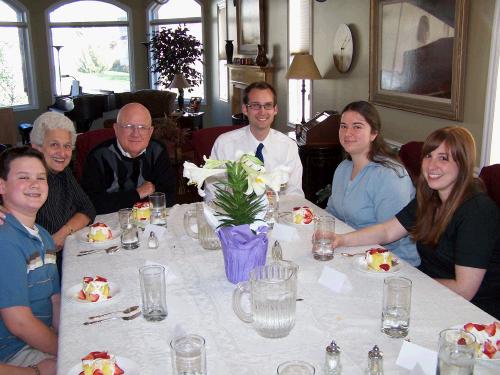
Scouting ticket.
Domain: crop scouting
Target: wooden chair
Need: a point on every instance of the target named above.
(204, 139)
(491, 178)
(411, 155)
(85, 142)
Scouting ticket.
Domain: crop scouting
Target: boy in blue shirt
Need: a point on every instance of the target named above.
(30, 288)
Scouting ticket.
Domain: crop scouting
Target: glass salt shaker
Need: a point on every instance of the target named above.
(375, 362)
(332, 359)
(153, 242)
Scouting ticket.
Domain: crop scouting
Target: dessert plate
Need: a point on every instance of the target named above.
(127, 365)
(83, 238)
(359, 264)
(286, 217)
(72, 294)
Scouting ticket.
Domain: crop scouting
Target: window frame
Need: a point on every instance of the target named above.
(50, 25)
(24, 28)
(155, 22)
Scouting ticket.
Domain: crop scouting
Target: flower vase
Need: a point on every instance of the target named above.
(243, 250)
(229, 51)
(261, 59)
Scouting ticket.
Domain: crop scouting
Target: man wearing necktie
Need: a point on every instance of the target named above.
(125, 170)
(272, 147)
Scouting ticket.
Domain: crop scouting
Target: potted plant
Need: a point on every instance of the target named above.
(175, 51)
(240, 207)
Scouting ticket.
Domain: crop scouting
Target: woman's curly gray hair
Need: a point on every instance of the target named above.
(51, 121)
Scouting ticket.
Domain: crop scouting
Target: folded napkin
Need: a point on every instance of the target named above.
(417, 358)
(334, 280)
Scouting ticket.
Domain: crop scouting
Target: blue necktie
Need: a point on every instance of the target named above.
(258, 152)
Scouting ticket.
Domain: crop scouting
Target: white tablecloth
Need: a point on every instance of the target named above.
(199, 301)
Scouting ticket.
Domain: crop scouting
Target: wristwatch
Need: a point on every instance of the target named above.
(37, 370)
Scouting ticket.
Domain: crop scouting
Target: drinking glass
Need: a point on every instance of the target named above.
(129, 236)
(272, 291)
(396, 304)
(324, 233)
(295, 368)
(188, 355)
(205, 233)
(153, 293)
(158, 209)
(456, 352)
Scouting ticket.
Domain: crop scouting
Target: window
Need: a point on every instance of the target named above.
(170, 15)
(299, 31)
(90, 44)
(17, 88)
(222, 36)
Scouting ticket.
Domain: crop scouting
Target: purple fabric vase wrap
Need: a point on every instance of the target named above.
(243, 250)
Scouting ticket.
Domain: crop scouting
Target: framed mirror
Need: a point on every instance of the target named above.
(418, 54)
(249, 25)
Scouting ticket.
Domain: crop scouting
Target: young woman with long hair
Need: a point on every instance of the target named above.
(455, 225)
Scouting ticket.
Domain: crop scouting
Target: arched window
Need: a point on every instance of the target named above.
(17, 87)
(170, 15)
(90, 44)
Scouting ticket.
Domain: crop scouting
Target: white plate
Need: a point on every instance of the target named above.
(359, 263)
(127, 365)
(72, 294)
(83, 238)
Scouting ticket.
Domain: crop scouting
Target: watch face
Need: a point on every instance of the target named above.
(343, 48)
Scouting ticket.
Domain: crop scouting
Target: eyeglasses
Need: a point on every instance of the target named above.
(258, 106)
(142, 129)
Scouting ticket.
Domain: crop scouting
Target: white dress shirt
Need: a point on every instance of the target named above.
(278, 150)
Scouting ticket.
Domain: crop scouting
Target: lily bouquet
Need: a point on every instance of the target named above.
(240, 206)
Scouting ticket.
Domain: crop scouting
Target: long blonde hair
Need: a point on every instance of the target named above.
(433, 215)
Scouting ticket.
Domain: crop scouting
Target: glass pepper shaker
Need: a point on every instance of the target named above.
(375, 362)
(332, 359)
(153, 242)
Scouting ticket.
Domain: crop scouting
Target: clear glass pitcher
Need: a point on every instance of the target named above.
(205, 234)
(272, 290)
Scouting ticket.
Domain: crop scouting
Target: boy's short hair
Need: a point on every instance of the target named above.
(260, 85)
(13, 153)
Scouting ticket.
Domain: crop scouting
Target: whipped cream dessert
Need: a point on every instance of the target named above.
(488, 339)
(141, 211)
(100, 363)
(94, 289)
(99, 232)
(302, 215)
(379, 259)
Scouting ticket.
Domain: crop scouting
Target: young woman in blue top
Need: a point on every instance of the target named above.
(370, 186)
(455, 225)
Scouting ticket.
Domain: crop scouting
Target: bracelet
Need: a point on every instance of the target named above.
(37, 370)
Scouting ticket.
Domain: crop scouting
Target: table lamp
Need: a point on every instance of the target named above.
(303, 67)
(180, 83)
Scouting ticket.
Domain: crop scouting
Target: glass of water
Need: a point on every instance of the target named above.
(295, 368)
(396, 304)
(158, 209)
(456, 352)
(324, 233)
(129, 236)
(188, 355)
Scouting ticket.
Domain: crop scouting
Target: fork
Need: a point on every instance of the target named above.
(109, 250)
(131, 317)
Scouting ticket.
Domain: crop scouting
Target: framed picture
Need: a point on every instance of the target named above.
(417, 55)
(249, 25)
(194, 104)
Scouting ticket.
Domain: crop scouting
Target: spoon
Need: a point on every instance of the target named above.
(109, 250)
(126, 311)
(131, 317)
(351, 255)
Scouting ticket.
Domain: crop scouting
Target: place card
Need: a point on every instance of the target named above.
(284, 233)
(335, 281)
(413, 355)
(159, 231)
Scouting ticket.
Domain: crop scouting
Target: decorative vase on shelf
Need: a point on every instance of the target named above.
(229, 51)
(261, 59)
(243, 251)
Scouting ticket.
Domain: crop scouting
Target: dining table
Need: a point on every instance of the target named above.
(199, 301)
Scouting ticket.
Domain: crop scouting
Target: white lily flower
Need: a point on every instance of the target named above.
(213, 163)
(277, 177)
(256, 184)
(251, 164)
(197, 175)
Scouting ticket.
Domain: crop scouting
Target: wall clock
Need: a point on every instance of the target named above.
(343, 48)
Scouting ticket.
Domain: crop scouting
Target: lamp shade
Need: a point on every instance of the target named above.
(179, 82)
(303, 67)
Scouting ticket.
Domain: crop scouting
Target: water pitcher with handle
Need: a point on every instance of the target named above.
(205, 234)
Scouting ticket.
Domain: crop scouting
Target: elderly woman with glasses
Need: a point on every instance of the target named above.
(67, 208)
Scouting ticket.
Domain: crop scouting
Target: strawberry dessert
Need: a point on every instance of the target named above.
(141, 212)
(100, 363)
(488, 339)
(99, 232)
(302, 215)
(379, 259)
(94, 289)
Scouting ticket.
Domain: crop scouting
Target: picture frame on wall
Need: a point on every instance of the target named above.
(419, 66)
(249, 25)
